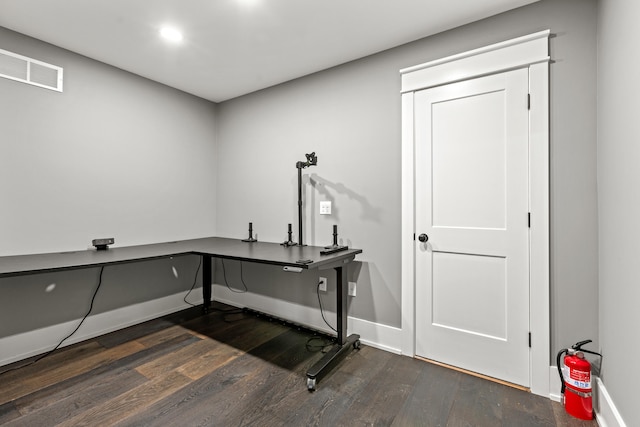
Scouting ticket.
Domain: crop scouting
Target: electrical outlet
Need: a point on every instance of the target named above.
(352, 289)
(323, 284)
(325, 207)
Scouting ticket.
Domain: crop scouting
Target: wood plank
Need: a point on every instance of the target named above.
(379, 402)
(284, 375)
(225, 327)
(125, 404)
(247, 334)
(218, 321)
(94, 391)
(79, 388)
(169, 362)
(190, 319)
(183, 316)
(205, 363)
(201, 358)
(164, 335)
(8, 412)
(431, 399)
(562, 418)
(477, 402)
(207, 400)
(133, 333)
(28, 367)
(524, 409)
(335, 393)
(21, 386)
(149, 330)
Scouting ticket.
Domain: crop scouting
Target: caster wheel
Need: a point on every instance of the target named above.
(356, 344)
(311, 384)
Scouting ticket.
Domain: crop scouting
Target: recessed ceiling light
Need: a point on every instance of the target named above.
(171, 34)
(248, 2)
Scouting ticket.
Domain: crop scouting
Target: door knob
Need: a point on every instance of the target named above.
(423, 237)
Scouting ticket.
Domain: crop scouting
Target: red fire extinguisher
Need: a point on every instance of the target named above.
(575, 375)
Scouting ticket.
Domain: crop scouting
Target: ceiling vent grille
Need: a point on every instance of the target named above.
(31, 71)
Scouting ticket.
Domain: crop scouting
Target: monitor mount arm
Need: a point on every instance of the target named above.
(312, 160)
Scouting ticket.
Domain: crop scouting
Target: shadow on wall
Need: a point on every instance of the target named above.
(381, 306)
(298, 288)
(253, 285)
(322, 185)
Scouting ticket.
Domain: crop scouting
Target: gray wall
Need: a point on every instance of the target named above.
(350, 115)
(165, 151)
(114, 155)
(40, 300)
(619, 201)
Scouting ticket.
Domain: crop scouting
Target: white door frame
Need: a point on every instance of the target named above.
(532, 52)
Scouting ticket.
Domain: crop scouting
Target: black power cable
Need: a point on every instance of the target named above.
(195, 280)
(321, 309)
(226, 282)
(42, 356)
(225, 311)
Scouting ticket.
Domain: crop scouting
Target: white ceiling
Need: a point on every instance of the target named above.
(234, 47)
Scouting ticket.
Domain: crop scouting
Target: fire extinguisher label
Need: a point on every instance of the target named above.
(579, 379)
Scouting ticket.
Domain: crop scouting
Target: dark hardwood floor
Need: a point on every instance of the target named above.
(230, 368)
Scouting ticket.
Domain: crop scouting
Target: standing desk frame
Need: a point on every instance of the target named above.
(295, 258)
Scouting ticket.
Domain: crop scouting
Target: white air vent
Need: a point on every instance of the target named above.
(32, 71)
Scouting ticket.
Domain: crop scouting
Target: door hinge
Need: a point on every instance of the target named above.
(529, 339)
(529, 219)
(528, 101)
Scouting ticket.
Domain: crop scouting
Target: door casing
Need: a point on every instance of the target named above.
(530, 51)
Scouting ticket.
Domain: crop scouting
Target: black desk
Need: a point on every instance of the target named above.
(208, 248)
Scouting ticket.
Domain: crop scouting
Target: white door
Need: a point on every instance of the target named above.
(472, 274)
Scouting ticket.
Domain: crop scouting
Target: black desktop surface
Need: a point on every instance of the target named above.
(217, 247)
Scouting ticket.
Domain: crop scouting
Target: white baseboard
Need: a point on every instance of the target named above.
(607, 414)
(554, 384)
(21, 346)
(376, 335)
(384, 337)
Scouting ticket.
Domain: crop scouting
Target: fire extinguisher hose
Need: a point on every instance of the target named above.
(575, 348)
(559, 365)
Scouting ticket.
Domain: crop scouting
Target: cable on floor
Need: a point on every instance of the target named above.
(325, 343)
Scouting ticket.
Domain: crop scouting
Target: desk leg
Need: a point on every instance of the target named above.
(206, 283)
(341, 303)
(344, 344)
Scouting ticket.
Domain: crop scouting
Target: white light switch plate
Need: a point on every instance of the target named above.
(325, 207)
